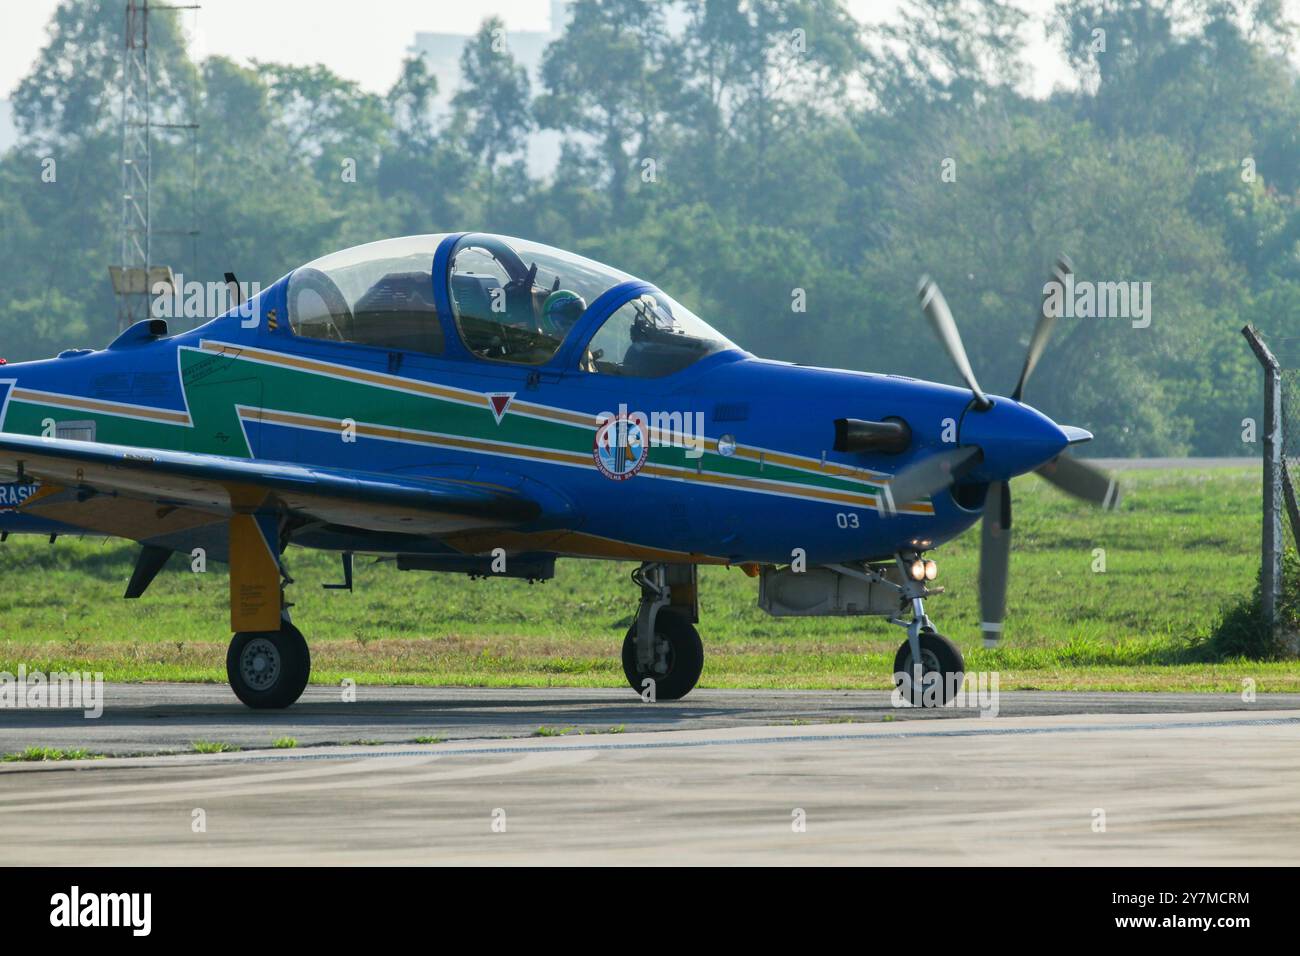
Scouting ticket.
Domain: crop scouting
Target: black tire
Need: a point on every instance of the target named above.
(252, 654)
(938, 654)
(680, 663)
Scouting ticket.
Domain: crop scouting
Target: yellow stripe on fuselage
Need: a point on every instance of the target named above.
(103, 406)
(572, 459)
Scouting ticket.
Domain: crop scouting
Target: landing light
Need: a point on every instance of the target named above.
(931, 570)
(918, 570)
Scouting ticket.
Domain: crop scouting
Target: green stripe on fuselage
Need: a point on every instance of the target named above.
(310, 393)
(28, 418)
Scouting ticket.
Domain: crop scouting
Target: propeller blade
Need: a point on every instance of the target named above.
(945, 326)
(928, 476)
(995, 560)
(1082, 481)
(1043, 330)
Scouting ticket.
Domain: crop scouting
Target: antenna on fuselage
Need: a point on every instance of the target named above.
(236, 294)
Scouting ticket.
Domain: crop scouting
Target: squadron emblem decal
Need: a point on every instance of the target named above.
(620, 448)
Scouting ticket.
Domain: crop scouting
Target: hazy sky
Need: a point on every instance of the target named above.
(369, 51)
(365, 40)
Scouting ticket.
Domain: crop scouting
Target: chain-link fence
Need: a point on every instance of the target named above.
(1290, 380)
(1286, 351)
(1290, 377)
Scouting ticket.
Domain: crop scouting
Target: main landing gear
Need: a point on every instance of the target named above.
(662, 652)
(268, 662)
(268, 669)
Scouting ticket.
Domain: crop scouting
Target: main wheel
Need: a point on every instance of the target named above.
(679, 657)
(268, 669)
(939, 657)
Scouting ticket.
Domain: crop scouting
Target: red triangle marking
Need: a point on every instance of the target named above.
(500, 402)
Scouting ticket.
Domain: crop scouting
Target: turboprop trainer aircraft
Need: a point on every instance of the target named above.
(478, 404)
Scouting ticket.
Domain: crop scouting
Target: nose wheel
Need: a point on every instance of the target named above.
(268, 669)
(942, 667)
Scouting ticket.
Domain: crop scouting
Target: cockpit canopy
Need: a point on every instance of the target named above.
(500, 300)
(378, 294)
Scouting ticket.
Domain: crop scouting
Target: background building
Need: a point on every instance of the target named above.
(7, 132)
(441, 52)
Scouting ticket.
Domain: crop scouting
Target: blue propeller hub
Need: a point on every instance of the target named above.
(1016, 438)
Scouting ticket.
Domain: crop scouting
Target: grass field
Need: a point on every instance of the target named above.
(1182, 547)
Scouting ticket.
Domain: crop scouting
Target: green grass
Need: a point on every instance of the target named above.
(553, 731)
(1181, 551)
(429, 740)
(545, 731)
(284, 743)
(212, 747)
(37, 754)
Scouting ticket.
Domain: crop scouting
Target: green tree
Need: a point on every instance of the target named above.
(493, 112)
(605, 78)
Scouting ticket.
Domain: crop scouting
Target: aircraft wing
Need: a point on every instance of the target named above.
(154, 495)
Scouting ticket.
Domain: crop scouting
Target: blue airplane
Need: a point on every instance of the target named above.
(479, 404)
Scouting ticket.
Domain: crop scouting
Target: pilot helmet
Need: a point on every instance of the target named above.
(562, 309)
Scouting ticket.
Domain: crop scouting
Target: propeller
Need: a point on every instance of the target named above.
(928, 476)
(1043, 329)
(935, 307)
(1070, 475)
(947, 468)
(1082, 481)
(995, 559)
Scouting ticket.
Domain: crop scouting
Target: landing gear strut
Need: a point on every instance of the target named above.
(937, 678)
(268, 662)
(662, 652)
(941, 663)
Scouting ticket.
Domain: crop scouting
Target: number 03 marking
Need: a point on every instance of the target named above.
(846, 519)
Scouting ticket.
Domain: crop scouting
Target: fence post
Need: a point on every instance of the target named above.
(1271, 572)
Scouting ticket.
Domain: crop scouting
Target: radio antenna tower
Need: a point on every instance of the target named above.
(137, 274)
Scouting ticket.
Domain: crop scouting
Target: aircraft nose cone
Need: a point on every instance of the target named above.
(1016, 439)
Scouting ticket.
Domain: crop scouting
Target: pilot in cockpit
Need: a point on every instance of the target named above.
(561, 311)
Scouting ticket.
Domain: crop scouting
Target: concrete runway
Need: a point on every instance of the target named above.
(722, 777)
(167, 718)
(1203, 788)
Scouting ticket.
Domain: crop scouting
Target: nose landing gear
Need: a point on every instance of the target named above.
(941, 673)
(941, 668)
(928, 668)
